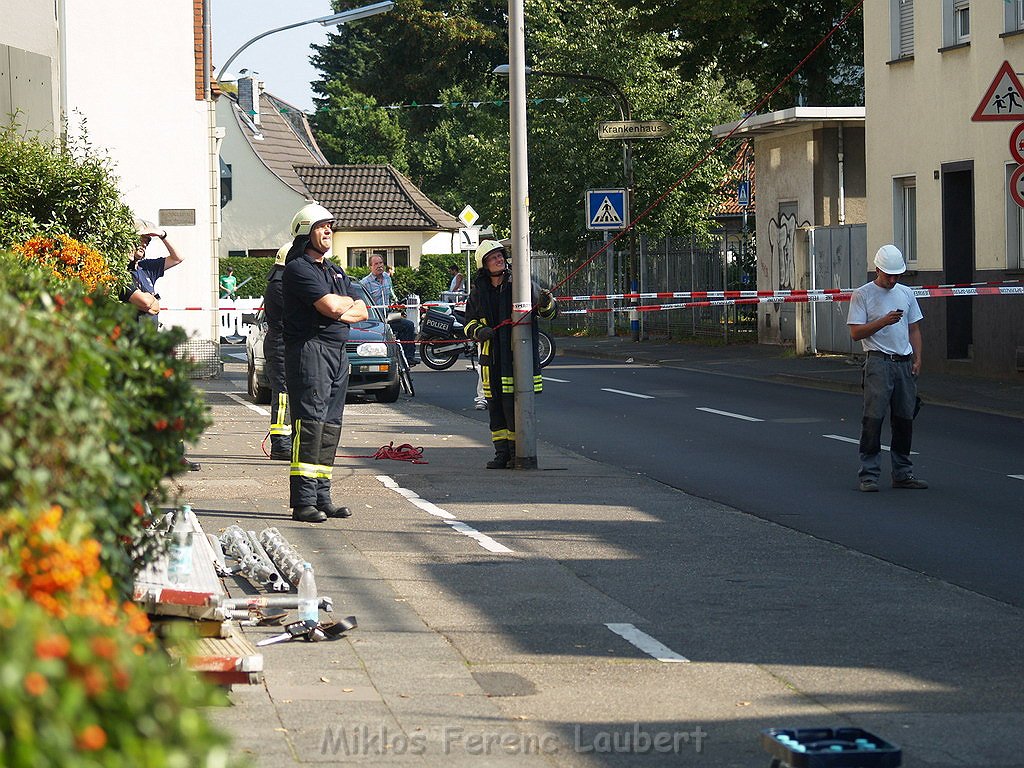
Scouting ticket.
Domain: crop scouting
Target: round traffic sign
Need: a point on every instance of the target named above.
(1017, 143)
(1017, 185)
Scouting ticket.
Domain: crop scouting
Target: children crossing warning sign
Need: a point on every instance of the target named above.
(1004, 99)
(606, 209)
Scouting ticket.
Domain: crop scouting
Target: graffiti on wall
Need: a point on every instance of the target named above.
(781, 261)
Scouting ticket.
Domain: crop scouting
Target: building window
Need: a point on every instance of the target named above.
(1014, 226)
(956, 22)
(393, 256)
(1014, 10)
(904, 200)
(901, 13)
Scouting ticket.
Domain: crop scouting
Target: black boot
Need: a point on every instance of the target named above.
(511, 454)
(501, 455)
(308, 515)
(331, 510)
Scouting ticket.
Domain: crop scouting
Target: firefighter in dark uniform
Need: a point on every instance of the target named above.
(489, 305)
(273, 353)
(319, 305)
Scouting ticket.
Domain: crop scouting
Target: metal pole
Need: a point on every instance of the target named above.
(522, 334)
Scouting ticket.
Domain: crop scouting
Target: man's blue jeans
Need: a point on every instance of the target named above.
(889, 386)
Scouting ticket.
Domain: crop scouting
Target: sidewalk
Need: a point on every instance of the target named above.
(486, 602)
(779, 363)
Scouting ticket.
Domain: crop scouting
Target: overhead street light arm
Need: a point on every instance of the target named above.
(621, 101)
(353, 14)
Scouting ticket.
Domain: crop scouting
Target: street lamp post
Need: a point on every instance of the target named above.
(625, 113)
(326, 21)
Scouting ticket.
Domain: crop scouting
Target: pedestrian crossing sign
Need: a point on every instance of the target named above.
(606, 209)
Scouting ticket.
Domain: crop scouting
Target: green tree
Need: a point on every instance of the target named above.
(458, 152)
(763, 40)
(351, 128)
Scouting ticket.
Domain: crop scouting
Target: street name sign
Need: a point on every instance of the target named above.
(633, 129)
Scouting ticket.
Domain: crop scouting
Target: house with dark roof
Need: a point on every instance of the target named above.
(380, 211)
(271, 166)
(264, 139)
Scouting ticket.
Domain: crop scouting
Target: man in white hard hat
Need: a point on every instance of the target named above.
(885, 318)
(319, 305)
(488, 312)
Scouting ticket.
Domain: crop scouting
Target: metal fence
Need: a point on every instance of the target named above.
(727, 262)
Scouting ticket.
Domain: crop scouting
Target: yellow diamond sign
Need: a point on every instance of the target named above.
(468, 216)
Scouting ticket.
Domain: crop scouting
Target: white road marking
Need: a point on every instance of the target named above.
(247, 404)
(730, 415)
(628, 394)
(857, 442)
(552, 378)
(646, 643)
(430, 508)
(1016, 477)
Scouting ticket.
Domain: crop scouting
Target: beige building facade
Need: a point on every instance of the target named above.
(938, 181)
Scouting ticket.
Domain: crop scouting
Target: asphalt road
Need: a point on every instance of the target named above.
(788, 454)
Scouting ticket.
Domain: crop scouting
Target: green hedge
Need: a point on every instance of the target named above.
(427, 282)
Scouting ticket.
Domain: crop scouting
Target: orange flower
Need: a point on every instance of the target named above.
(160, 425)
(35, 684)
(138, 509)
(95, 683)
(55, 647)
(168, 372)
(104, 647)
(91, 738)
(116, 333)
(179, 424)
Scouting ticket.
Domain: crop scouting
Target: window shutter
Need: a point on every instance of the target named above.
(906, 21)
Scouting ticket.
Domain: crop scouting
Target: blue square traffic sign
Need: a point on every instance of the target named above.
(606, 209)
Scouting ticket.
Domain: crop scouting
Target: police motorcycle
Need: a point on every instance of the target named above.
(443, 341)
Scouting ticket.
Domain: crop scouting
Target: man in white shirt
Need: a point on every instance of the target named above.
(884, 317)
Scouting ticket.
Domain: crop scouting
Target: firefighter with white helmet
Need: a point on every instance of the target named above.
(273, 353)
(885, 318)
(488, 312)
(319, 303)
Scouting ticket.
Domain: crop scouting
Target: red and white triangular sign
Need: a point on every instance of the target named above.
(1004, 99)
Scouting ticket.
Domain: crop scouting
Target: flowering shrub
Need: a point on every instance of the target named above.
(82, 683)
(67, 258)
(100, 401)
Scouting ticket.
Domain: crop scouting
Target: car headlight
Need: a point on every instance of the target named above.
(372, 349)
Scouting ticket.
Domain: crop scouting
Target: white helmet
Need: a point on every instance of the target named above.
(890, 260)
(282, 252)
(486, 247)
(308, 217)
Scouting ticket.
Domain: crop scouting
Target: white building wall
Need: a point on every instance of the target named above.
(919, 117)
(262, 205)
(30, 27)
(131, 77)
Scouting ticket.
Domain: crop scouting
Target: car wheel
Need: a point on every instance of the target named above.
(390, 394)
(260, 395)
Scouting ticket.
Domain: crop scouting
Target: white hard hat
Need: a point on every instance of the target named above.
(308, 217)
(282, 252)
(890, 260)
(486, 247)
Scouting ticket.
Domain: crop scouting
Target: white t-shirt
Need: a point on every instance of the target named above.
(870, 302)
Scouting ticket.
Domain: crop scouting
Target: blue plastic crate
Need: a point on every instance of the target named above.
(830, 748)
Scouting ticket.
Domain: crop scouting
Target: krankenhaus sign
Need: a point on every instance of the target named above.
(633, 129)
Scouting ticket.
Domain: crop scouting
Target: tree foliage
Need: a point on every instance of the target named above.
(429, 52)
(763, 41)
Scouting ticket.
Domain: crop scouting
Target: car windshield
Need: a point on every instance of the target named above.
(375, 314)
